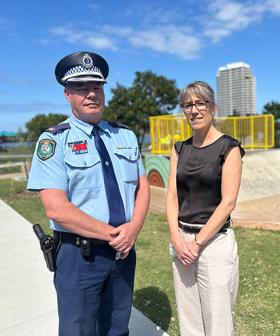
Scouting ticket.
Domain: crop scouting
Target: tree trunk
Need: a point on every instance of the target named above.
(142, 138)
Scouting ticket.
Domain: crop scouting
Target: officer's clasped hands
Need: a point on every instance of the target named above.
(123, 238)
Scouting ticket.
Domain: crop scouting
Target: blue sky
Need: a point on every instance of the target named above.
(184, 40)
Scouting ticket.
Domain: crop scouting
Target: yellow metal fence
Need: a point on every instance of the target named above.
(252, 131)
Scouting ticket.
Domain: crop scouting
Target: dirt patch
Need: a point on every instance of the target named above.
(256, 225)
(262, 213)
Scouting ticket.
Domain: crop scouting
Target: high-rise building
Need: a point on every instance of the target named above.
(236, 90)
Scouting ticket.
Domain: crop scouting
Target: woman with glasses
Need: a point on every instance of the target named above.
(204, 180)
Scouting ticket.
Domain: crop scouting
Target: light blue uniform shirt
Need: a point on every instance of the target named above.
(74, 166)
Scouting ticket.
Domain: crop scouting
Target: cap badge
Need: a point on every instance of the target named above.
(87, 61)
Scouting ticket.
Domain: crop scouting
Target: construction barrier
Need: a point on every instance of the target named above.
(252, 131)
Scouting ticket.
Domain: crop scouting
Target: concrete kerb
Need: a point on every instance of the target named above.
(28, 299)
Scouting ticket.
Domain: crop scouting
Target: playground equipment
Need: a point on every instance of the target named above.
(254, 132)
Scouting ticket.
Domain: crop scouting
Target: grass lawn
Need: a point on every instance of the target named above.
(9, 160)
(258, 307)
(9, 170)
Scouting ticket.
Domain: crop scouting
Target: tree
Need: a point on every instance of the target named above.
(149, 95)
(274, 108)
(21, 136)
(41, 122)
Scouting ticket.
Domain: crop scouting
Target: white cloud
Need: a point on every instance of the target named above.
(89, 38)
(37, 107)
(8, 80)
(120, 32)
(2, 23)
(7, 26)
(22, 82)
(146, 13)
(273, 6)
(43, 41)
(161, 15)
(168, 40)
(226, 17)
(94, 7)
(161, 30)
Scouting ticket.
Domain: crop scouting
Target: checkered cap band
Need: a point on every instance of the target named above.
(82, 71)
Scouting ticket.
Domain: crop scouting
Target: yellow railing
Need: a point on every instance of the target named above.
(252, 131)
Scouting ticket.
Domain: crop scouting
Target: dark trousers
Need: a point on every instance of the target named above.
(94, 295)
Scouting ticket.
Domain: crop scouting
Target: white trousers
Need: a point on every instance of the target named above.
(206, 291)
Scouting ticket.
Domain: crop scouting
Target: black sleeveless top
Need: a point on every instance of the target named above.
(198, 178)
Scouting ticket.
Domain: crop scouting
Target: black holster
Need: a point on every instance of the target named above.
(48, 246)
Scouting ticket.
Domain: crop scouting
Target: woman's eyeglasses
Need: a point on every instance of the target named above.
(199, 104)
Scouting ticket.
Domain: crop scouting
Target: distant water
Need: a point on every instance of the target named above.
(7, 145)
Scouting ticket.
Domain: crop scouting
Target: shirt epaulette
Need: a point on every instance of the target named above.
(119, 125)
(57, 128)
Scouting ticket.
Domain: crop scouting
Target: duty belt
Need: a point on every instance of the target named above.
(195, 228)
(74, 239)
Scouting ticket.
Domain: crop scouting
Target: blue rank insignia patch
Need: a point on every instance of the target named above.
(79, 147)
(46, 149)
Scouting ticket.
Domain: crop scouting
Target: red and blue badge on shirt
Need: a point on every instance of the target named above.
(79, 147)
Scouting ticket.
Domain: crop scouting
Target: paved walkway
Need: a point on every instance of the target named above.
(16, 176)
(28, 300)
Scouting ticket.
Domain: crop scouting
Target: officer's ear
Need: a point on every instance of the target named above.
(66, 93)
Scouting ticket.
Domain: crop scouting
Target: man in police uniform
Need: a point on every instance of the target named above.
(94, 190)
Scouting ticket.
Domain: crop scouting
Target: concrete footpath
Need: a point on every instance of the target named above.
(28, 300)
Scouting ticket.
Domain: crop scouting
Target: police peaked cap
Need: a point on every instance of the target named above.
(82, 66)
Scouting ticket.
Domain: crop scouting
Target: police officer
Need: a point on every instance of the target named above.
(94, 190)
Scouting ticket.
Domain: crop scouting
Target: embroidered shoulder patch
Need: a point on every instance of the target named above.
(46, 149)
